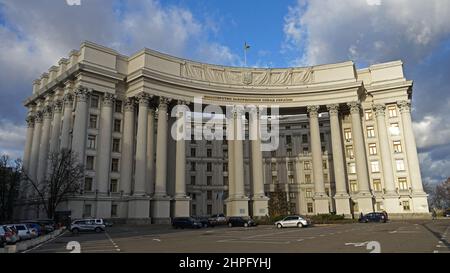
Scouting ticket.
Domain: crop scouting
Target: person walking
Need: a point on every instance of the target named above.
(433, 214)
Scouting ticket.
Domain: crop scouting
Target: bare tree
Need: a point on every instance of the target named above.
(64, 179)
(10, 175)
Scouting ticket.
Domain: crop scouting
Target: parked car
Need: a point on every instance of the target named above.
(293, 221)
(85, 225)
(218, 219)
(8, 235)
(373, 217)
(447, 213)
(186, 222)
(15, 233)
(37, 228)
(22, 230)
(204, 221)
(48, 225)
(241, 222)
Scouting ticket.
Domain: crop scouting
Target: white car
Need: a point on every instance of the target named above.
(22, 230)
(293, 221)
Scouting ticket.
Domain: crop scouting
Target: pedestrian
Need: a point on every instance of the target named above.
(433, 214)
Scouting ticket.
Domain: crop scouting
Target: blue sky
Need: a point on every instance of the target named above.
(34, 35)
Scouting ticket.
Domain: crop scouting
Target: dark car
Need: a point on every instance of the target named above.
(241, 222)
(447, 213)
(186, 222)
(373, 217)
(204, 221)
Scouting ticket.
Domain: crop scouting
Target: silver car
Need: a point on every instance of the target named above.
(22, 230)
(87, 225)
(293, 221)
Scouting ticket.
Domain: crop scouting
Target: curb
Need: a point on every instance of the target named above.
(25, 245)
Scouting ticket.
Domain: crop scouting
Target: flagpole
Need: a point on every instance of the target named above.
(245, 54)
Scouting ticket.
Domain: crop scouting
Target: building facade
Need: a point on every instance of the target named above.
(345, 141)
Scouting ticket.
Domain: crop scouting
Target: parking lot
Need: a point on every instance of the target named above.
(396, 236)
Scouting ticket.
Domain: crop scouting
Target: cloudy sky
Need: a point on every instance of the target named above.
(35, 34)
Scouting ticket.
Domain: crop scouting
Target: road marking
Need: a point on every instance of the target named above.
(44, 243)
(299, 240)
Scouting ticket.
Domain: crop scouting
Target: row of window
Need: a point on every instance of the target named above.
(392, 112)
(93, 123)
(94, 103)
(87, 210)
(394, 130)
(91, 159)
(92, 143)
(376, 185)
(113, 185)
(375, 166)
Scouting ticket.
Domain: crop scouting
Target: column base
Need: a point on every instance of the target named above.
(139, 208)
(181, 206)
(103, 208)
(160, 206)
(420, 202)
(342, 201)
(260, 206)
(391, 203)
(365, 202)
(321, 204)
(237, 206)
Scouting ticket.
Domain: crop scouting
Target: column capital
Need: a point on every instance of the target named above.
(47, 112)
(38, 117)
(82, 94)
(143, 99)
(163, 103)
(404, 106)
(108, 100)
(379, 109)
(183, 102)
(355, 107)
(129, 104)
(313, 110)
(68, 99)
(30, 121)
(57, 106)
(333, 109)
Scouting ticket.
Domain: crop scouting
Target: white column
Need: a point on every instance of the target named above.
(320, 197)
(45, 142)
(127, 147)
(34, 159)
(420, 202)
(259, 199)
(231, 174)
(56, 126)
(181, 201)
(141, 146)
(150, 186)
(28, 143)
(80, 124)
(67, 121)
(341, 197)
(104, 147)
(239, 154)
(365, 203)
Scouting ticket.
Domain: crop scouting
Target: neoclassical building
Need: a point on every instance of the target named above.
(345, 138)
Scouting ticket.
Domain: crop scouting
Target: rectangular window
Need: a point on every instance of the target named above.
(193, 139)
(307, 165)
(324, 164)
(192, 179)
(322, 137)
(194, 209)
(209, 167)
(291, 179)
(208, 195)
(118, 106)
(273, 153)
(116, 145)
(115, 165)
(392, 111)
(288, 140)
(193, 166)
(304, 138)
(91, 142)
(192, 152)
(368, 114)
(352, 168)
(400, 164)
(370, 132)
(225, 167)
(307, 178)
(289, 152)
(350, 153)
(94, 101)
(353, 186)
(274, 179)
(292, 195)
(308, 193)
(90, 163)
(225, 180)
(88, 183)
(305, 150)
(325, 177)
(406, 205)
(93, 121)
(225, 153)
(290, 166)
(209, 142)
(209, 153)
(373, 149)
(209, 180)
(274, 166)
(394, 129)
(117, 124)
(209, 209)
(310, 208)
(375, 166)
(397, 147)
(377, 185)
(114, 210)
(113, 185)
(348, 134)
(403, 183)
(87, 210)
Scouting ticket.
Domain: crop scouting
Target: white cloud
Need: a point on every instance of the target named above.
(12, 139)
(425, 132)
